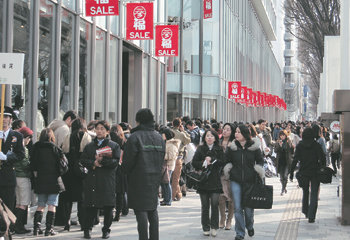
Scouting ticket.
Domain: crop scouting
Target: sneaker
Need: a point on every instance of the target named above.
(206, 233)
(165, 204)
(251, 232)
(213, 232)
(311, 220)
(239, 237)
(105, 235)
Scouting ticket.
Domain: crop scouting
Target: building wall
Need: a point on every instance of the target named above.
(81, 63)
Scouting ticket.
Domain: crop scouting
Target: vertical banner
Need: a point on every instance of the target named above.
(139, 21)
(243, 97)
(101, 7)
(263, 98)
(167, 40)
(249, 99)
(208, 8)
(254, 96)
(234, 90)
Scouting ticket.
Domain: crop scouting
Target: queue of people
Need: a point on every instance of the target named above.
(113, 167)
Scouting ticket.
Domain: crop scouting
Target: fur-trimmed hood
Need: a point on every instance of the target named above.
(252, 147)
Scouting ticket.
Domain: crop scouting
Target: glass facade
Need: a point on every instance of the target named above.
(77, 62)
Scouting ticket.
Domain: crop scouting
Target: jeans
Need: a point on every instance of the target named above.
(142, 218)
(210, 200)
(166, 190)
(310, 207)
(244, 217)
(91, 213)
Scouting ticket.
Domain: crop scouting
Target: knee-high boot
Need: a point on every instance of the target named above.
(50, 218)
(222, 208)
(19, 225)
(229, 215)
(38, 216)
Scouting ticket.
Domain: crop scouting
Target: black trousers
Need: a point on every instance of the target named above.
(145, 217)
(335, 161)
(8, 196)
(309, 206)
(91, 213)
(122, 203)
(210, 200)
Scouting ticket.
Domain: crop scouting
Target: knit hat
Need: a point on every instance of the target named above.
(26, 131)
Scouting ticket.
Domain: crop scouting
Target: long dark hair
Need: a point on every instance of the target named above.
(245, 132)
(47, 135)
(233, 130)
(215, 134)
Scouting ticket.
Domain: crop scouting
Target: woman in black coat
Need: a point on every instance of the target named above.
(44, 162)
(311, 157)
(99, 185)
(210, 156)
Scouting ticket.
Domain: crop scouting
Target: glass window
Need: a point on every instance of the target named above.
(46, 33)
(99, 81)
(145, 69)
(113, 69)
(161, 99)
(2, 15)
(67, 71)
(288, 44)
(84, 67)
(114, 25)
(21, 29)
(153, 86)
(288, 61)
(191, 36)
(101, 21)
(71, 4)
(82, 10)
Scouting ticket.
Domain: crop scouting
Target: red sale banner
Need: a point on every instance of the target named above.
(208, 8)
(249, 97)
(102, 7)
(234, 90)
(254, 98)
(139, 21)
(167, 40)
(243, 97)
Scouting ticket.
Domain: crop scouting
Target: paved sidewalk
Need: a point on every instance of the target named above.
(284, 221)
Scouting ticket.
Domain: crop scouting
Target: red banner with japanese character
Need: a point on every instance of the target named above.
(139, 21)
(102, 7)
(208, 8)
(234, 90)
(167, 40)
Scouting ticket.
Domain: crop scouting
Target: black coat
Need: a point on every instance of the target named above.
(213, 184)
(243, 160)
(143, 158)
(311, 158)
(44, 160)
(99, 185)
(14, 143)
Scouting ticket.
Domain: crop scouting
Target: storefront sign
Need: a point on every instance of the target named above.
(167, 40)
(102, 7)
(139, 21)
(234, 90)
(208, 8)
(11, 68)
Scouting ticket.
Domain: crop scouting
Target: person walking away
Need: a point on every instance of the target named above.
(245, 156)
(101, 158)
(44, 163)
(310, 156)
(283, 148)
(209, 156)
(334, 149)
(24, 186)
(142, 162)
(171, 153)
(73, 146)
(228, 135)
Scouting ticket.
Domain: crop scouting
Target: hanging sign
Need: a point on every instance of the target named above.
(102, 7)
(254, 97)
(139, 21)
(249, 97)
(243, 97)
(234, 90)
(208, 8)
(167, 40)
(11, 68)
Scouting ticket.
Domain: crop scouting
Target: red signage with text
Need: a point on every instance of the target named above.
(102, 7)
(249, 98)
(167, 40)
(254, 98)
(139, 21)
(234, 90)
(243, 97)
(208, 8)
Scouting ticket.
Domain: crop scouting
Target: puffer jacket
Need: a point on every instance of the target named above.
(143, 159)
(213, 184)
(284, 151)
(243, 160)
(172, 151)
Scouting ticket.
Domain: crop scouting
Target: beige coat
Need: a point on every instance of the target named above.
(171, 152)
(184, 137)
(86, 139)
(60, 129)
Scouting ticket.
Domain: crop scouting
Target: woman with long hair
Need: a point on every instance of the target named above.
(311, 157)
(47, 185)
(243, 154)
(228, 135)
(209, 156)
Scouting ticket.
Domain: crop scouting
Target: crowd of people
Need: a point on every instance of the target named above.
(110, 168)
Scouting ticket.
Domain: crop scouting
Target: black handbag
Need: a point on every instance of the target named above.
(257, 195)
(79, 170)
(324, 174)
(199, 176)
(63, 164)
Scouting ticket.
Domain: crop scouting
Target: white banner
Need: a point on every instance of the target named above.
(11, 68)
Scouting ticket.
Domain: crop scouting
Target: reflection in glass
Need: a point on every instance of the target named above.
(145, 69)
(100, 74)
(69, 4)
(66, 76)
(84, 61)
(21, 30)
(153, 86)
(113, 68)
(114, 25)
(47, 28)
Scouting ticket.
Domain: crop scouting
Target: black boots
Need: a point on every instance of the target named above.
(87, 234)
(105, 234)
(50, 218)
(19, 225)
(38, 216)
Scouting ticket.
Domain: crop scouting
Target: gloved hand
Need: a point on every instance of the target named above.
(3, 156)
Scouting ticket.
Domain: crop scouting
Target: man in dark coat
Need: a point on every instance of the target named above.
(142, 162)
(12, 151)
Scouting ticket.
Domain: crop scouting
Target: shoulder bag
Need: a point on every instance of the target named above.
(257, 195)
